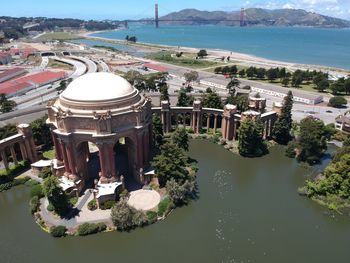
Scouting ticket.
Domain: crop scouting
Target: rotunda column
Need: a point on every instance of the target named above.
(215, 123)
(13, 154)
(65, 157)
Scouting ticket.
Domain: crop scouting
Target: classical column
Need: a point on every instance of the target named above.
(163, 121)
(146, 147)
(168, 121)
(71, 158)
(235, 130)
(23, 151)
(112, 161)
(215, 123)
(65, 157)
(28, 150)
(13, 154)
(102, 157)
(139, 150)
(177, 120)
(57, 147)
(208, 122)
(4, 159)
(199, 122)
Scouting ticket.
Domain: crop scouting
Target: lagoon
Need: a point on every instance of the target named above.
(248, 211)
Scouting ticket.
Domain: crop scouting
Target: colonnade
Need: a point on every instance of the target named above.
(27, 147)
(227, 119)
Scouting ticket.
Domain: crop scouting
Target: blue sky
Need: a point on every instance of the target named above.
(121, 9)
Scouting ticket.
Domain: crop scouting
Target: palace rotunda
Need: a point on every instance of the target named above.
(104, 110)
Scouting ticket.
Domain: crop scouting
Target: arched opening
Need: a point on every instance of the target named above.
(125, 162)
(89, 162)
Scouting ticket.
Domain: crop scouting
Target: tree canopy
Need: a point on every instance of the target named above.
(283, 125)
(250, 139)
(56, 196)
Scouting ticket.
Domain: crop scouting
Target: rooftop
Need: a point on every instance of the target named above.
(97, 87)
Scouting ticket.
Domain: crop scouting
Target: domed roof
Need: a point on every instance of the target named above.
(98, 87)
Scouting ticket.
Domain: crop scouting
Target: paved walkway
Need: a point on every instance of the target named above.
(144, 199)
(81, 214)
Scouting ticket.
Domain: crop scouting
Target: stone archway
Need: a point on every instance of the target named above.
(88, 162)
(125, 154)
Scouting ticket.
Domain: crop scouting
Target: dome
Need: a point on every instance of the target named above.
(98, 87)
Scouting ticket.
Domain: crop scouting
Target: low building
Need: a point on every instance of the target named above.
(11, 73)
(298, 96)
(22, 85)
(343, 123)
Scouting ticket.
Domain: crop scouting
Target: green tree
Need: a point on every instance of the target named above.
(338, 86)
(242, 103)
(241, 73)
(250, 140)
(125, 217)
(164, 94)
(218, 70)
(41, 132)
(202, 53)
(212, 100)
(180, 138)
(283, 125)
(335, 180)
(260, 73)
(5, 104)
(179, 194)
(322, 85)
(56, 196)
(312, 140)
(250, 72)
(337, 102)
(285, 82)
(183, 100)
(191, 76)
(272, 74)
(171, 164)
(347, 85)
(157, 131)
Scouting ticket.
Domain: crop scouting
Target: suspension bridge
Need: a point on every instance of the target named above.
(241, 21)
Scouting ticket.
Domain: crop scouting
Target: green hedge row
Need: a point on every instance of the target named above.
(88, 229)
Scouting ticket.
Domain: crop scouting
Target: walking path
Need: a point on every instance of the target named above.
(81, 214)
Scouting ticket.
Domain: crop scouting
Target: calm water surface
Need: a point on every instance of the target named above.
(248, 211)
(328, 47)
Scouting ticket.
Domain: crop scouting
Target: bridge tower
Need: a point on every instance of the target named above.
(242, 17)
(156, 17)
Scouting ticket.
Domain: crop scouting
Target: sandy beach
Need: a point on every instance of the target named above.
(235, 57)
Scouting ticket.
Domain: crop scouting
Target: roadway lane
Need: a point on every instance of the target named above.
(91, 66)
(80, 67)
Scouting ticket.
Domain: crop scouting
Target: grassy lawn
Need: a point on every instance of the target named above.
(58, 36)
(186, 60)
(59, 65)
(50, 154)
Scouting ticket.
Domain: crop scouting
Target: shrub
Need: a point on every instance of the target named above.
(151, 216)
(337, 102)
(107, 205)
(163, 206)
(58, 231)
(88, 229)
(34, 204)
(45, 172)
(37, 190)
(125, 217)
(290, 149)
(73, 200)
(92, 205)
(124, 194)
(50, 208)
(180, 193)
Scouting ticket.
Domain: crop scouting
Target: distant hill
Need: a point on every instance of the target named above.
(256, 16)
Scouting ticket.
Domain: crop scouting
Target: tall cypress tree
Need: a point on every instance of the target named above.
(283, 125)
(250, 139)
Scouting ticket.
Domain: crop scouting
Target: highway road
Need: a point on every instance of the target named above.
(91, 66)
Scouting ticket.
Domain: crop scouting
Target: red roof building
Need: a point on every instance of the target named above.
(21, 85)
(11, 73)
